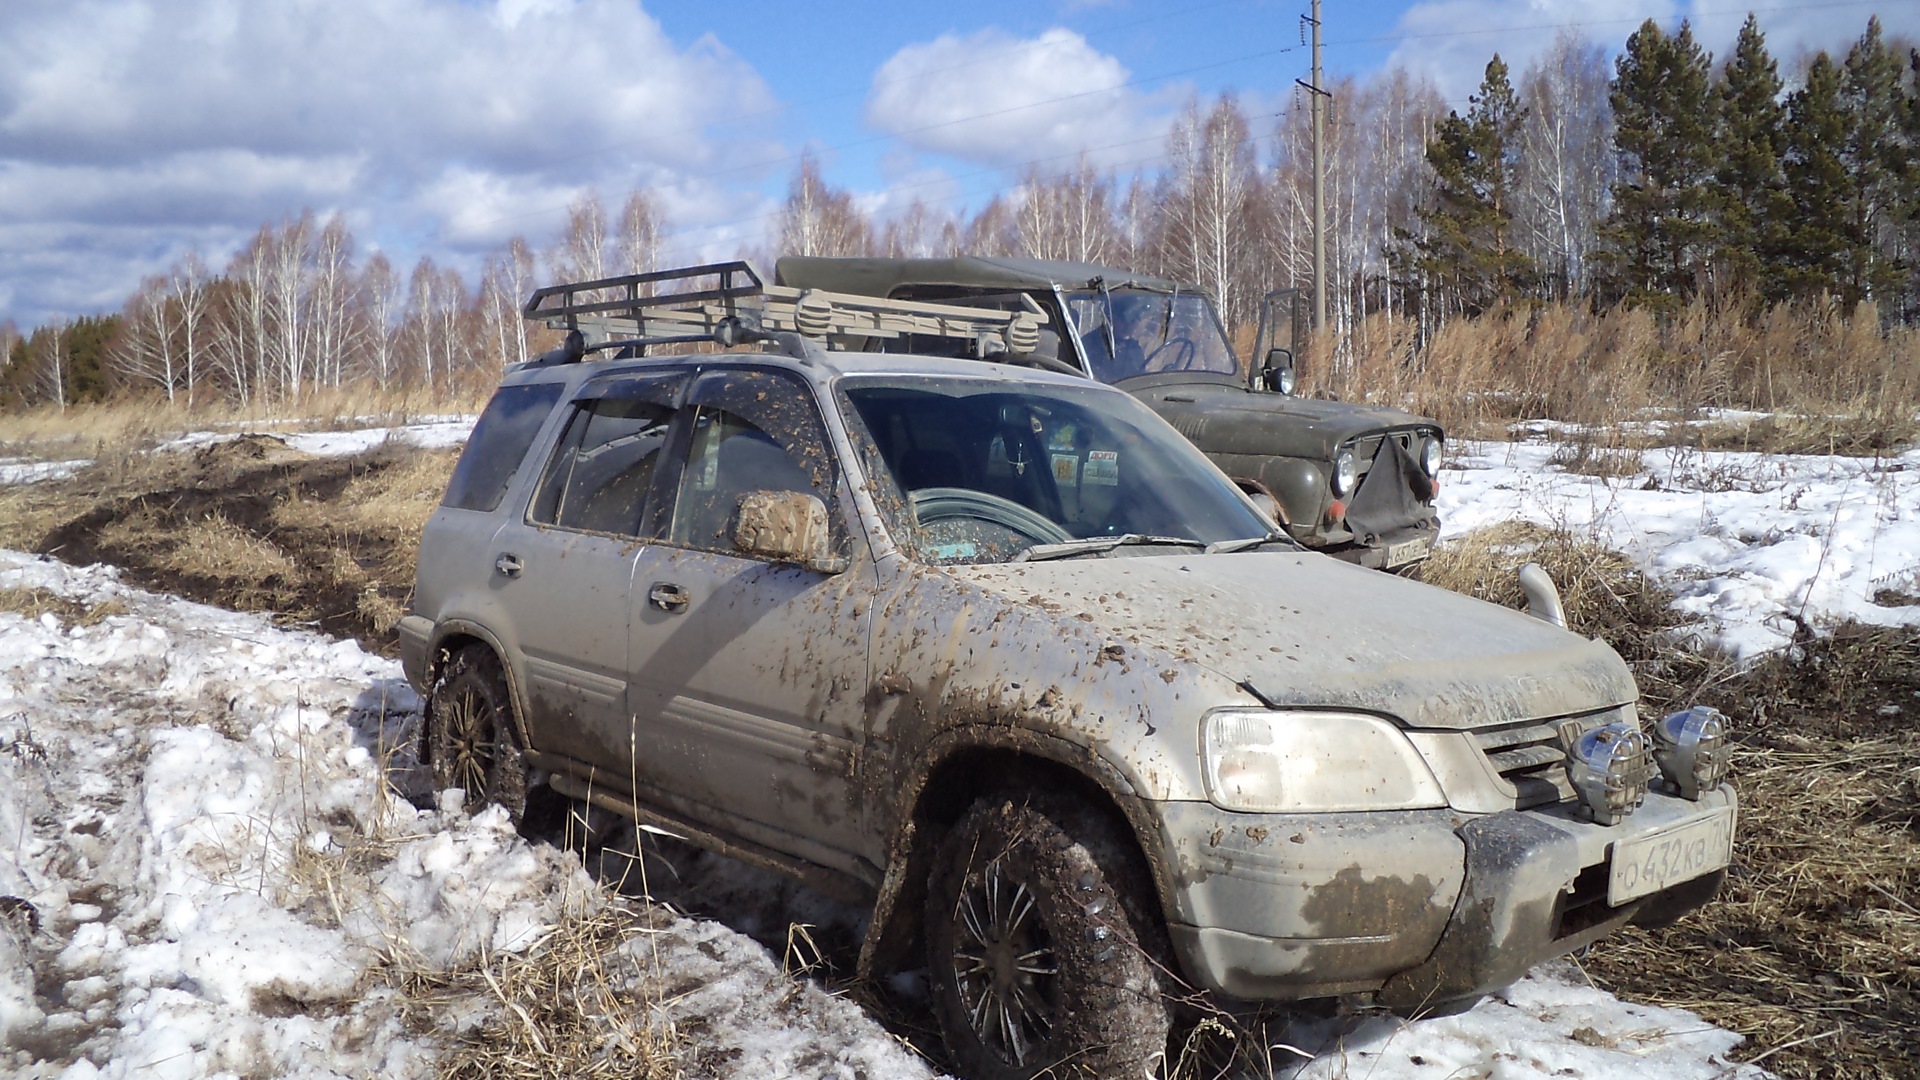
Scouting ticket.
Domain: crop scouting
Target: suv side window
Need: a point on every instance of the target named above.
(602, 469)
(500, 439)
(751, 431)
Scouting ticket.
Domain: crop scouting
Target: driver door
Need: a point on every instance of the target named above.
(748, 677)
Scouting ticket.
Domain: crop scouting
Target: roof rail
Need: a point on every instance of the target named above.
(737, 307)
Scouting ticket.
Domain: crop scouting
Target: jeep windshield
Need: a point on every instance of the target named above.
(977, 470)
(1131, 331)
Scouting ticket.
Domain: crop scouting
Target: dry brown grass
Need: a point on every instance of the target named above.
(36, 602)
(574, 1005)
(1813, 948)
(132, 424)
(1835, 379)
(248, 523)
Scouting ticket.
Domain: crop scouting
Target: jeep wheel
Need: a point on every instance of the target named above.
(470, 739)
(1033, 947)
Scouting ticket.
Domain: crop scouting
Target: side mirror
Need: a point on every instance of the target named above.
(785, 527)
(1277, 371)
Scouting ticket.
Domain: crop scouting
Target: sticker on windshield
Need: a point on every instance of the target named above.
(1103, 468)
(1066, 470)
(961, 550)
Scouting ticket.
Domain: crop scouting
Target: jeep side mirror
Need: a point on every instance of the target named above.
(785, 527)
(1277, 371)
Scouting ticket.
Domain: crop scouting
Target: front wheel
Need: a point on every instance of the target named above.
(471, 743)
(1034, 946)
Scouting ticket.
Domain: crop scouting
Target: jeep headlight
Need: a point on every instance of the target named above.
(1610, 767)
(1264, 761)
(1689, 747)
(1346, 472)
(1430, 456)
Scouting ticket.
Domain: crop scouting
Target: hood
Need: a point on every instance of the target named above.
(1225, 418)
(1308, 630)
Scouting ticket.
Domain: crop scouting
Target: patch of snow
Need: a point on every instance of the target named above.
(1748, 542)
(22, 471)
(218, 877)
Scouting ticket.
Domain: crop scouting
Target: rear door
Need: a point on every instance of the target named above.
(748, 677)
(564, 570)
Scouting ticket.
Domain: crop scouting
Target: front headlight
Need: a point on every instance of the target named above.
(1284, 380)
(1262, 761)
(1430, 456)
(1346, 471)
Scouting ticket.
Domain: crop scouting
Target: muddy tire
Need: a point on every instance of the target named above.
(470, 739)
(1035, 949)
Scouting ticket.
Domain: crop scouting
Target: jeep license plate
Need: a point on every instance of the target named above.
(1669, 856)
(1407, 551)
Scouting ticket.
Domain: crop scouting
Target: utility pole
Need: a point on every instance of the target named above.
(1319, 97)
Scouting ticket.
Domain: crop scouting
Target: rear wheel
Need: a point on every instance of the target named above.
(471, 743)
(1034, 946)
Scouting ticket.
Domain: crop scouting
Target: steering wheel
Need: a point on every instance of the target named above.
(942, 503)
(1183, 358)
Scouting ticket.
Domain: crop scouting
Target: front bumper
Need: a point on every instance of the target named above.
(1415, 908)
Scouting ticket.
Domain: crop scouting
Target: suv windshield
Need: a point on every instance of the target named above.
(1129, 332)
(979, 470)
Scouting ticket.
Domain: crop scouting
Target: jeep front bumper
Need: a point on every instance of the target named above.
(1416, 908)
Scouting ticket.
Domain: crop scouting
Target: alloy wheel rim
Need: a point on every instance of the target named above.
(469, 744)
(1004, 963)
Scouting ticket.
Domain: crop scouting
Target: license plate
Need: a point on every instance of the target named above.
(1669, 856)
(1407, 551)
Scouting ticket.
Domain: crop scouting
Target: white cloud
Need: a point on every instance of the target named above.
(1001, 100)
(1452, 40)
(165, 124)
(1795, 34)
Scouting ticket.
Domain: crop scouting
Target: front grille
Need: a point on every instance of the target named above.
(1530, 755)
(1366, 449)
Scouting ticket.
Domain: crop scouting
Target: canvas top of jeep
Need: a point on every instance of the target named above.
(1353, 480)
(997, 651)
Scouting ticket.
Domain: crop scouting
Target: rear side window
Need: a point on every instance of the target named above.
(602, 469)
(500, 439)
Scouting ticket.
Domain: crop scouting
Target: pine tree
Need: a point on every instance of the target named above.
(1467, 251)
(1663, 229)
(1875, 155)
(1751, 185)
(1822, 234)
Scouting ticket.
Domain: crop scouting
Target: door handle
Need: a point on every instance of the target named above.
(508, 564)
(668, 597)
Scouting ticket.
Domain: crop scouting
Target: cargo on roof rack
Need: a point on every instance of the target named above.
(730, 304)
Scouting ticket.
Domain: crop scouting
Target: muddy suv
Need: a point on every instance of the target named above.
(998, 652)
(1355, 481)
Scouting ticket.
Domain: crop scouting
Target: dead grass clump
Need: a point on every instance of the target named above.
(36, 602)
(570, 1006)
(1587, 458)
(217, 549)
(1813, 947)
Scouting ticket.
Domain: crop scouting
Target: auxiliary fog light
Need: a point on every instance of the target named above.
(1691, 748)
(1610, 767)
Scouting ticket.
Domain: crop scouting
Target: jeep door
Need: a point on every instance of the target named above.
(566, 567)
(749, 677)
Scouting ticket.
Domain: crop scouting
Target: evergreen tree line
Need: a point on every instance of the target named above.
(1656, 180)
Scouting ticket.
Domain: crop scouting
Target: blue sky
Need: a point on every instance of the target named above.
(135, 131)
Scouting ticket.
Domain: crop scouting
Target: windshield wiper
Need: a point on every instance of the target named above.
(1222, 547)
(1093, 545)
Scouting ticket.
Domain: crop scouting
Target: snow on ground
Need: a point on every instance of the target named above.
(1749, 542)
(431, 433)
(27, 470)
(222, 882)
